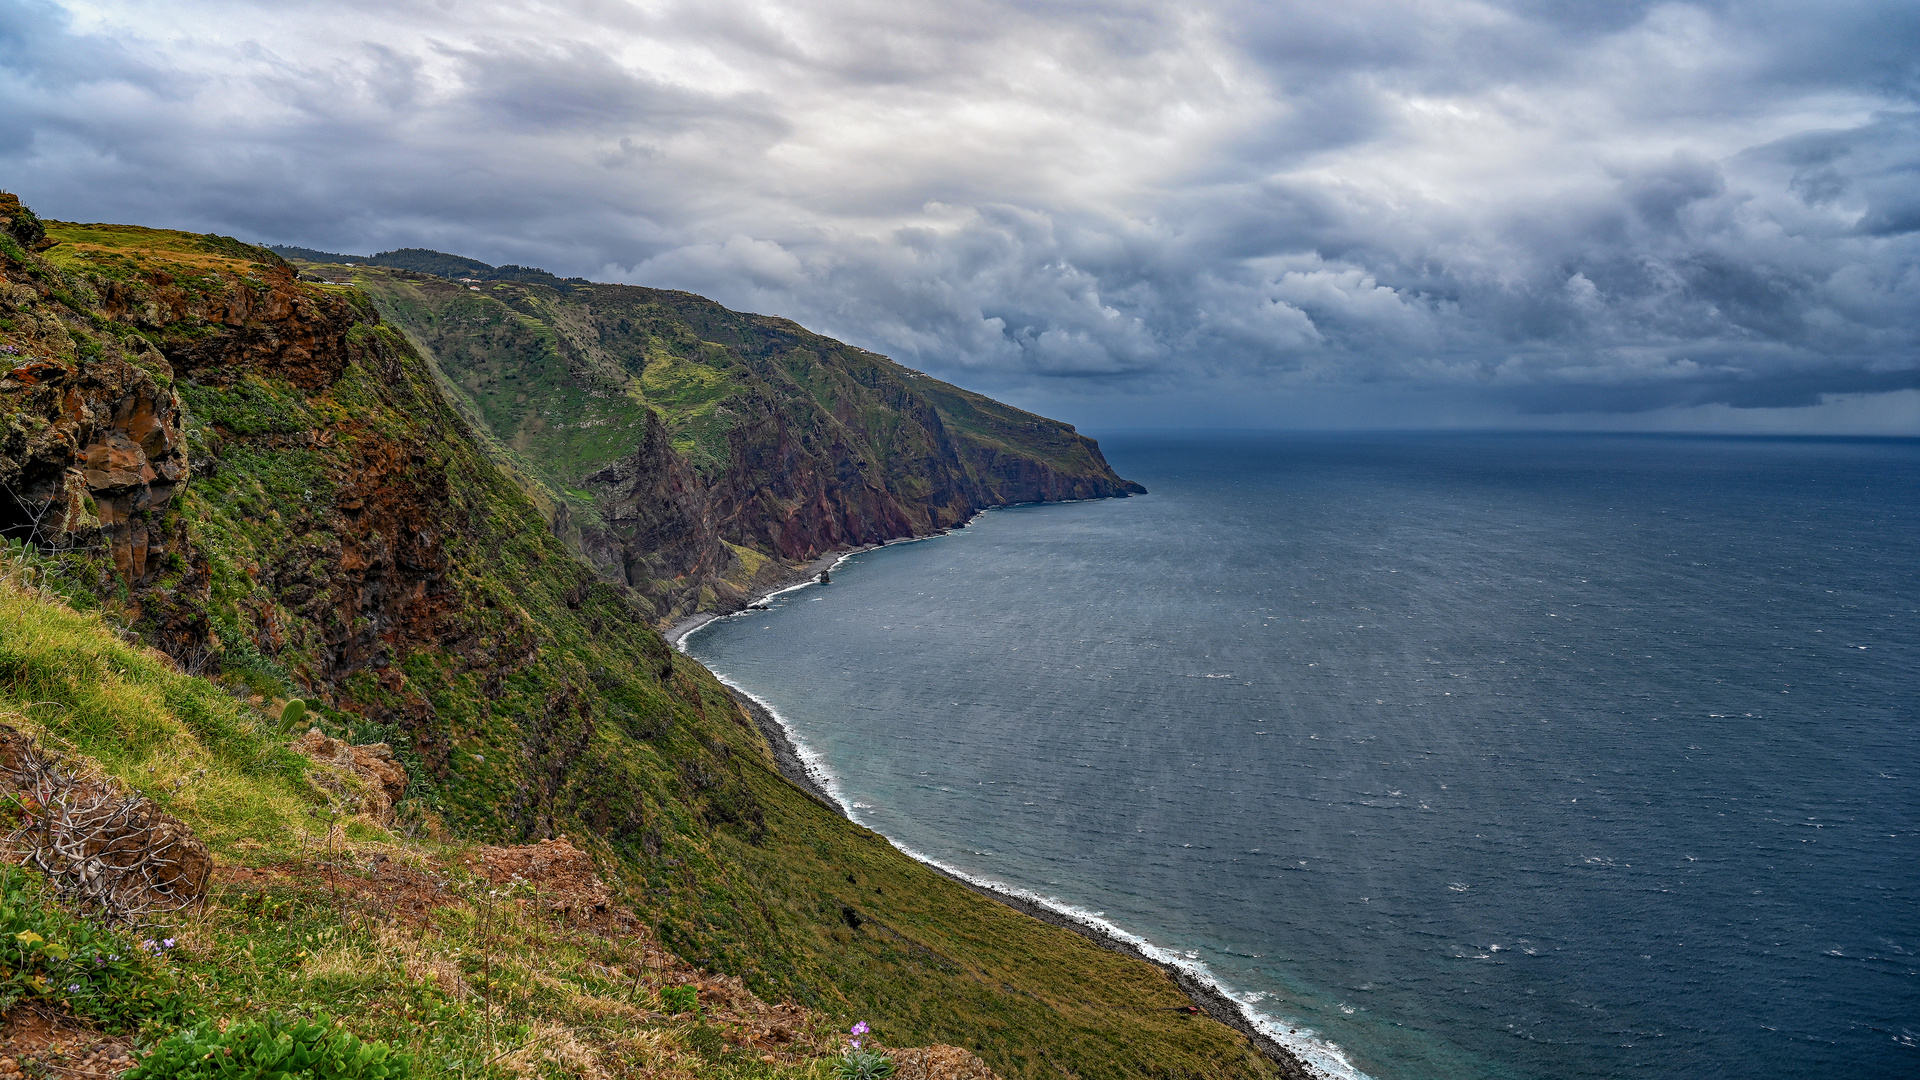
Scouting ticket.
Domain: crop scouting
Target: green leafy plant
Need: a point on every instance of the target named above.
(276, 1049)
(291, 715)
(863, 1065)
(679, 999)
(106, 976)
(860, 1063)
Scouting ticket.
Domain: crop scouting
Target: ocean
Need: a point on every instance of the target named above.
(1450, 755)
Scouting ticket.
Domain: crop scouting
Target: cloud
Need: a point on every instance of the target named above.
(1511, 212)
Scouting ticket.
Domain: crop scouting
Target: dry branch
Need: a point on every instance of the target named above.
(100, 846)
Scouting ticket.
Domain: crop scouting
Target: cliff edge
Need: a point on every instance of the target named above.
(697, 454)
(262, 478)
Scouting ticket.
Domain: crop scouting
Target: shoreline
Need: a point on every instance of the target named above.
(676, 633)
(1208, 997)
(786, 754)
(792, 764)
(809, 575)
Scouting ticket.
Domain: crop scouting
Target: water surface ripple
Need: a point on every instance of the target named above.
(1477, 756)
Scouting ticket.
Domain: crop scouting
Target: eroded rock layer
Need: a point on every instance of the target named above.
(694, 453)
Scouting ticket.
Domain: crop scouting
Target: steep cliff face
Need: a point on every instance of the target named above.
(777, 441)
(316, 519)
(654, 517)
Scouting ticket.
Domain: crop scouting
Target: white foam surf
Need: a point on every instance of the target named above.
(1323, 1058)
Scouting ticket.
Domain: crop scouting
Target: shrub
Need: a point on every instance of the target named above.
(272, 1050)
(679, 999)
(91, 971)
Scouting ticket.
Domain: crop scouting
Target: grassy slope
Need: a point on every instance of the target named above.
(528, 355)
(485, 984)
(535, 702)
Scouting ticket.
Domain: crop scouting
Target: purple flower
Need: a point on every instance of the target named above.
(73, 988)
(167, 943)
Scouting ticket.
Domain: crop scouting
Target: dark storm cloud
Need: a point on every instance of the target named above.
(1524, 209)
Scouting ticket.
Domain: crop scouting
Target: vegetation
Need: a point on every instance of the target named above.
(54, 958)
(271, 1050)
(863, 1065)
(344, 541)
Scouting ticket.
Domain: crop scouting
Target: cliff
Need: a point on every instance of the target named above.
(262, 478)
(695, 453)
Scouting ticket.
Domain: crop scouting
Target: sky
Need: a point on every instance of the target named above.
(1273, 213)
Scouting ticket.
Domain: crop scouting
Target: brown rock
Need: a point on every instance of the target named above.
(939, 1063)
(564, 875)
(94, 454)
(99, 843)
(373, 763)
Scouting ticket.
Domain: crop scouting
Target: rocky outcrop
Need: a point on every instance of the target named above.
(21, 224)
(92, 453)
(381, 782)
(99, 844)
(656, 515)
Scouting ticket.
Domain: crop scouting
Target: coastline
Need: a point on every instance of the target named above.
(792, 763)
(677, 633)
(1210, 998)
(786, 755)
(808, 575)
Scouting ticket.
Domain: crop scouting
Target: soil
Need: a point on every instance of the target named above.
(39, 1043)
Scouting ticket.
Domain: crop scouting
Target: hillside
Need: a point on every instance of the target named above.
(696, 453)
(260, 481)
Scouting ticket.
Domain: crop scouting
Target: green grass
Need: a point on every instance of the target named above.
(52, 958)
(69, 678)
(351, 545)
(487, 986)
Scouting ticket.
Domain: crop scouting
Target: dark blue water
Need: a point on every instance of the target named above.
(1475, 756)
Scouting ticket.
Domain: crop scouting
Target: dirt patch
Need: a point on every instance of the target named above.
(36, 1043)
(563, 877)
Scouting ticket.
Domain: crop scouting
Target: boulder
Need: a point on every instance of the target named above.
(100, 844)
(383, 780)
